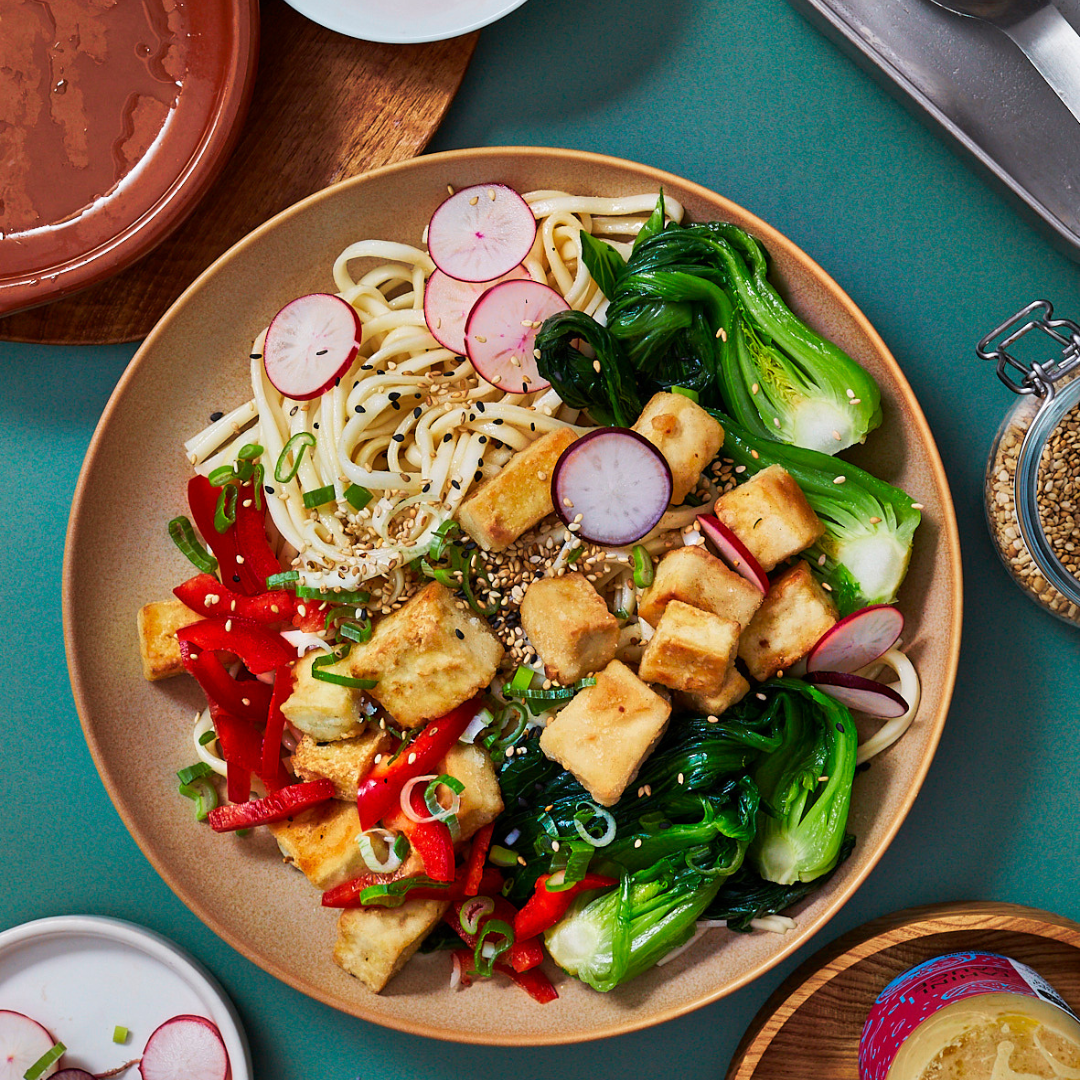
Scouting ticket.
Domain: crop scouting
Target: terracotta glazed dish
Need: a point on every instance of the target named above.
(114, 124)
(119, 557)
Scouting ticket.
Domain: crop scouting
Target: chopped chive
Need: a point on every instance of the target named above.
(686, 392)
(207, 737)
(319, 497)
(50, 1057)
(345, 596)
(225, 513)
(120, 1034)
(249, 452)
(203, 794)
(321, 662)
(301, 439)
(501, 856)
(194, 772)
(643, 567)
(575, 555)
(282, 580)
(357, 631)
(521, 681)
(220, 476)
(358, 497)
(183, 536)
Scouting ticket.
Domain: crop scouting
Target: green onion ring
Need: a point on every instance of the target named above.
(590, 813)
(472, 911)
(643, 567)
(303, 439)
(183, 536)
(485, 965)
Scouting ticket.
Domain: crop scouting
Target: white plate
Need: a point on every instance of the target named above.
(82, 977)
(404, 21)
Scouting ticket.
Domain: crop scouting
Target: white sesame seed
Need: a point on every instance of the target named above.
(840, 480)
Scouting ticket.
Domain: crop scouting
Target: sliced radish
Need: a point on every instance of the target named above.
(733, 551)
(185, 1048)
(612, 486)
(863, 695)
(481, 232)
(310, 344)
(857, 640)
(501, 329)
(23, 1042)
(447, 303)
(74, 1074)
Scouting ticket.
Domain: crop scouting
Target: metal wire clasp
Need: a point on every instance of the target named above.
(1039, 378)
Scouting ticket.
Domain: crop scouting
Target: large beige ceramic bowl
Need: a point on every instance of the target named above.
(119, 557)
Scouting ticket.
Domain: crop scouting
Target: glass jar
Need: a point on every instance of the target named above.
(1032, 484)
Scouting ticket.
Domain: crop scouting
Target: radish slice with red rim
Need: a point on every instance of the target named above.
(501, 329)
(857, 640)
(447, 303)
(23, 1042)
(613, 485)
(733, 551)
(481, 232)
(862, 695)
(310, 343)
(185, 1048)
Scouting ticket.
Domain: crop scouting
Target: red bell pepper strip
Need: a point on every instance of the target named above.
(249, 698)
(522, 955)
(380, 791)
(431, 841)
(544, 909)
(206, 595)
(474, 870)
(251, 542)
(203, 498)
(259, 649)
(276, 807)
(534, 982)
(275, 728)
(347, 894)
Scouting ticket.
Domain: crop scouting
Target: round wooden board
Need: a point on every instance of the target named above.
(325, 107)
(811, 1025)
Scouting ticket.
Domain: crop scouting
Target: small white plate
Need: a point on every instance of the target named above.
(404, 21)
(83, 976)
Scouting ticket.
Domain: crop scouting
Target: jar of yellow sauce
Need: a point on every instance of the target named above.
(970, 1016)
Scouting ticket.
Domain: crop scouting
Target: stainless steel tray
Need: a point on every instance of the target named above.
(976, 85)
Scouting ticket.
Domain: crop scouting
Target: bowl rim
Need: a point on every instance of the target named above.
(413, 31)
(175, 202)
(949, 539)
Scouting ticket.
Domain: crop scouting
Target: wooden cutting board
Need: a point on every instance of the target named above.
(810, 1027)
(325, 107)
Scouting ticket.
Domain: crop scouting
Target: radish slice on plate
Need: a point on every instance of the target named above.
(23, 1042)
(73, 1074)
(447, 303)
(481, 232)
(310, 343)
(612, 486)
(863, 695)
(733, 551)
(185, 1048)
(857, 640)
(501, 330)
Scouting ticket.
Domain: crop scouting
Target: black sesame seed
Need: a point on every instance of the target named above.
(396, 405)
(294, 410)
(840, 728)
(399, 438)
(215, 417)
(447, 437)
(322, 352)
(256, 356)
(268, 489)
(524, 387)
(236, 577)
(360, 409)
(479, 406)
(482, 439)
(455, 485)
(460, 634)
(315, 426)
(393, 395)
(337, 381)
(499, 421)
(532, 427)
(367, 367)
(478, 476)
(425, 489)
(417, 412)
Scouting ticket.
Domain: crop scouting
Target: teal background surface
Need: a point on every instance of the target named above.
(749, 100)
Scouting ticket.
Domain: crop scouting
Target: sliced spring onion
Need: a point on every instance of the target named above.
(183, 536)
(225, 512)
(477, 724)
(358, 631)
(406, 797)
(643, 567)
(521, 681)
(299, 442)
(249, 452)
(50, 1057)
(488, 951)
(206, 738)
(319, 497)
(507, 728)
(220, 476)
(431, 797)
(342, 596)
(395, 845)
(194, 772)
(575, 555)
(358, 497)
(321, 662)
(569, 864)
(203, 794)
(443, 535)
(472, 911)
(282, 580)
(686, 392)
(586, 820)
(120, 1034)
(502, 856)
(538, 701)
(395, 893)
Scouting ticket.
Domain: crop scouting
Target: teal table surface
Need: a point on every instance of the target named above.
(748, 99)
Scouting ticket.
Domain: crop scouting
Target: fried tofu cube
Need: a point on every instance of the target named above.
(343, 761)
(570, 626)
(687, 436)
(796, 612)
(321, 843)
(427, 657)
(691, 649)
(713, 702)
(158, 622)
(323, 710)
(519, 497)
(607, 731)
(481, 801)
(374, 943)
(695, 577)
(770, 515)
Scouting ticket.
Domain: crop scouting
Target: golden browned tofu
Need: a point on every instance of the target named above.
(519, 497)
(570, 626)
(321, 843)
(691, 649)
(160, 651)
(481, 801)
(343, 761)
(607, 731)
(770, 515)
(695, 577)
(323, 710)
(796, 612)
(428, 657)
(687, 436)
(714, 702)
(374, 943)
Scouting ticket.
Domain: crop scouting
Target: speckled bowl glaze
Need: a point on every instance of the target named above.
(119, 557)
